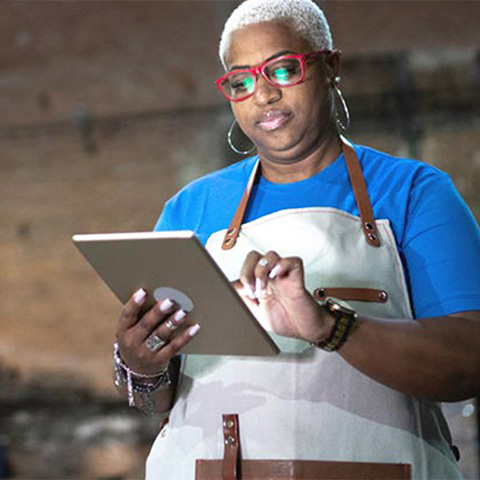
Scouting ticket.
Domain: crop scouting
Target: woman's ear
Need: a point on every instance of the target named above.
(332, 65)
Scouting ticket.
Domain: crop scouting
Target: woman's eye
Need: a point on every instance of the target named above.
(237, 85)
(242, 85)
(284, 74)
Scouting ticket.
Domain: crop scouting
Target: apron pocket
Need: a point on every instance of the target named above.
(233, 467)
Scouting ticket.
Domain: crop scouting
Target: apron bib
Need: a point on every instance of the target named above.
(307, 404)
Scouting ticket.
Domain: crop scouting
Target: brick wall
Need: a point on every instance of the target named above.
(107, 109)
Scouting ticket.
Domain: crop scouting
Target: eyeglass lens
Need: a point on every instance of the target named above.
(281, 72)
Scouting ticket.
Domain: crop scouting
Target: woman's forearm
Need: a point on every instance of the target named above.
(434, 358)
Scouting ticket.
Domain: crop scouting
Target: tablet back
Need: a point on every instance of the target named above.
(177, 266)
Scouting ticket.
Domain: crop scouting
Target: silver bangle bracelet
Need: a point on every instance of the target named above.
(125, 375)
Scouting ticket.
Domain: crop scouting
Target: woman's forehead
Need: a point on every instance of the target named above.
(253, 44)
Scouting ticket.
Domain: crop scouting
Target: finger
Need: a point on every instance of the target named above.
(247, 273)
(129, 314)
(173, 347)
(248, 297)
(167, 328)
(286, 266)
(153, 318)
(263, 268)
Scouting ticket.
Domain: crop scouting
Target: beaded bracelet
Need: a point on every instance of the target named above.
(150, 387)
(124, 374)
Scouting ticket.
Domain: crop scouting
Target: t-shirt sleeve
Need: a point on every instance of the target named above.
(183, 211)
(164, 221)
(169, 219)
(441, 249)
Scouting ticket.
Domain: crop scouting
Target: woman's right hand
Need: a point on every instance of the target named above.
(161, 320)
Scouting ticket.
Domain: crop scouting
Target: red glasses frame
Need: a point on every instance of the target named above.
(303, 57)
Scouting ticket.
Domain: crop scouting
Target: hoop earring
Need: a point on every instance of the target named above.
(230, 142)
(342, 125)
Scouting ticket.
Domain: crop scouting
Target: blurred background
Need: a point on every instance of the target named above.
(108, 108)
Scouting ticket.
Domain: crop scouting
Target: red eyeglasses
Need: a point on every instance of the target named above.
(284, 71)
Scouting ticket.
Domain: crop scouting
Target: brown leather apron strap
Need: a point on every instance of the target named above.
(360, 191)
(231, 455)
(233, 468)
(234, 229)
(351, 293)
(361, 194)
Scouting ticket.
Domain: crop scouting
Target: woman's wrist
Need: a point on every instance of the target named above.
(139, 376)
(344, 319)
(140, 383)
(326, 325)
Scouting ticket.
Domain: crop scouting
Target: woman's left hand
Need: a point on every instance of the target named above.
(274, 289)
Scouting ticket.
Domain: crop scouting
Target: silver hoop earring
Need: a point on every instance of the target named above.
(232, 146)
(342, 125)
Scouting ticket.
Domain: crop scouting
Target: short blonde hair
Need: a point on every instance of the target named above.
(304, 16)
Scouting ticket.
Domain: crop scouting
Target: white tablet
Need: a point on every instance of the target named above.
(175, 265)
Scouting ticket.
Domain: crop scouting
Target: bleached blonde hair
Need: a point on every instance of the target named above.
(304, 16)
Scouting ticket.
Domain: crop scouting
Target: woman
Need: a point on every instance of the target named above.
(319, 218)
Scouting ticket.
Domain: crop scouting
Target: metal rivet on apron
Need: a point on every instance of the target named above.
(231, 231)
(228, 241)
(320, 292)
(368, 226)
(229, 424)
(230, 440)
(383, 295)
(371, 236)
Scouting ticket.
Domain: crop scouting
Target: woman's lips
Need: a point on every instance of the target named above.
(273, 119)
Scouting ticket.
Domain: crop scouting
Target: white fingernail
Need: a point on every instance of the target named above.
(194, 330)
(259, 287)
(274, 271)
(166, 305)
(249, 292)
(139, 296)
(179, 316)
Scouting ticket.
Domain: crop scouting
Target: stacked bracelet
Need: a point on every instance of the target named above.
(124, 374)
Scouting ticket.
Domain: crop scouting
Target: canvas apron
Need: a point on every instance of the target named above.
(307, 404)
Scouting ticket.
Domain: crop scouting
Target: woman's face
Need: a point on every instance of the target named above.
(286, 124)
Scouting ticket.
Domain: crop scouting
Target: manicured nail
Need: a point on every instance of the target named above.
(273, 272)
(179, 317)
(259, 287)
(249, 292)
(166, 305)
(194, 330)
(139, 296)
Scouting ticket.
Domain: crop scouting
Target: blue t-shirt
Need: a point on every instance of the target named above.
(437, 237)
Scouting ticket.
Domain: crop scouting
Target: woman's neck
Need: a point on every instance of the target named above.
(324, 154)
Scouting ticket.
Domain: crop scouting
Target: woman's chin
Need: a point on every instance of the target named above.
(284, 144)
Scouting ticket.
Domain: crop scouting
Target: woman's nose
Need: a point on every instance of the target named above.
(265, 93)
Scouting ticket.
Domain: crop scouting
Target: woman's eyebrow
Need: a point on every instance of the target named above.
(275, 55)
